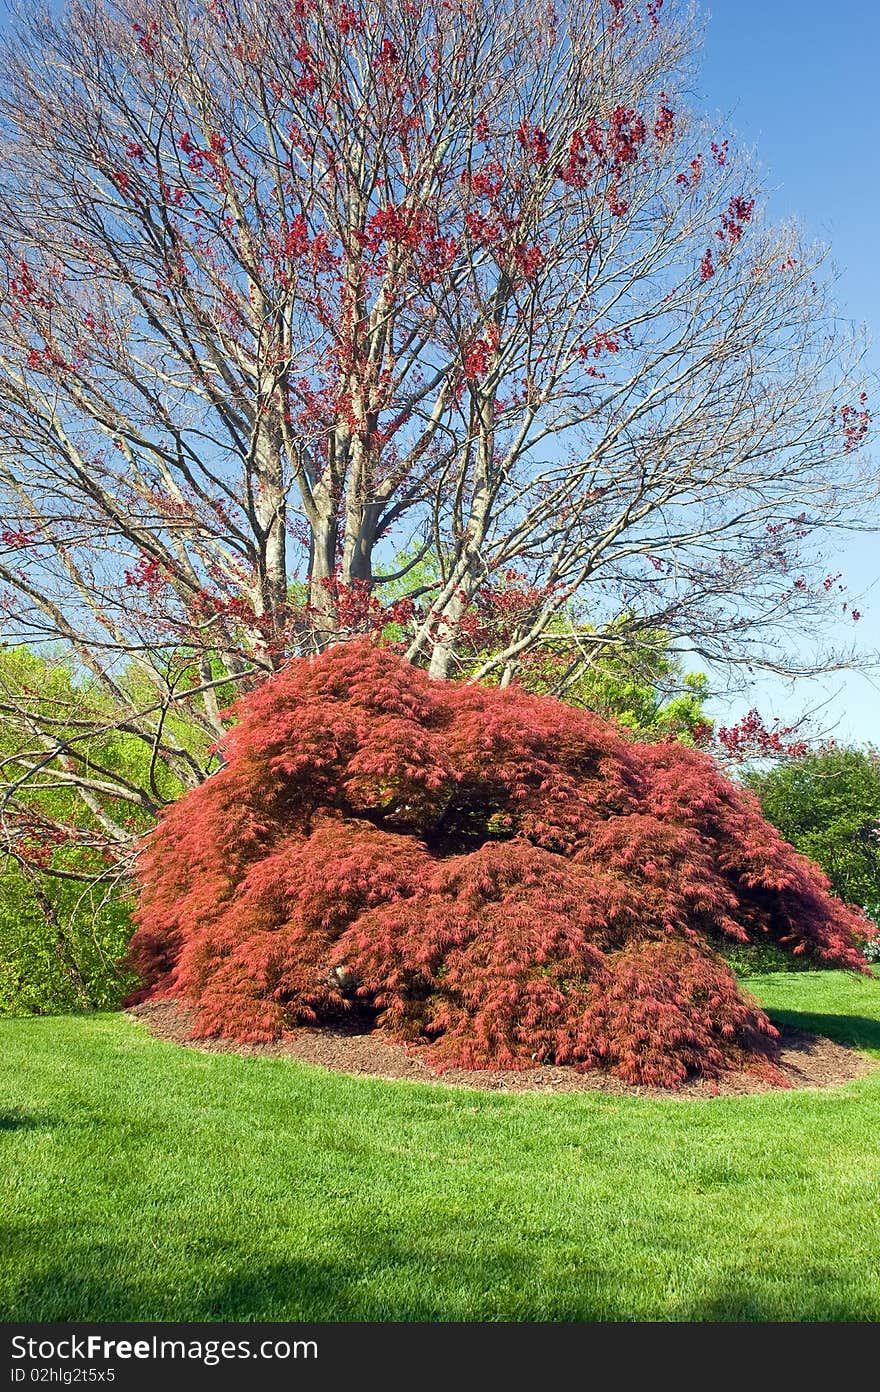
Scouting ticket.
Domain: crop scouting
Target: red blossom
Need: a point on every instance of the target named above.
(24, 288)
(399, 225)
(528, 259)
(595, 137)
(605, 343)
(486, 182)
(733, 221)
(750, 738)
(358, 609)
(147, 575)
(16, 539)
(617, 206)
(856, 423)
(146, 38)
(691, 179)
(626, 135)
(664, 123)
(576, 169)
(480, 352)
(38, 359)
(296, 237)
(534, 140)
(482, 230)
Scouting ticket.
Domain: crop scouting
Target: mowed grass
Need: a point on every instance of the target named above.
(139, 1180)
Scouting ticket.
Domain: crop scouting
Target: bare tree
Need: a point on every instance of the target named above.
(292, 292)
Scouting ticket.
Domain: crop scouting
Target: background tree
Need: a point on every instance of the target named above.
(827, 804)
(289, 288)
(62, 945)
(642, 685)
(65, 897)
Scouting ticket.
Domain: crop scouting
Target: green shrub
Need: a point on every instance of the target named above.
(61, 947)
(62, 940)
(827, 804)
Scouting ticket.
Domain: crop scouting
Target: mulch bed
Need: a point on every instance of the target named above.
(806, 1060)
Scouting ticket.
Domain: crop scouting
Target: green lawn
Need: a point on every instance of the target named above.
(144, 1181)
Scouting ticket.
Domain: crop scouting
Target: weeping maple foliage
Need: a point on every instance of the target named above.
(496, 877)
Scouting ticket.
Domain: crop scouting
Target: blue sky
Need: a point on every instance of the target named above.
(799, 82)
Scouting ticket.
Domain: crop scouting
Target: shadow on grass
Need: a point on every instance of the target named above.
(857, 1031)
(383, 1281)
(21, 1121)
(814, 1297)
(106, 1284)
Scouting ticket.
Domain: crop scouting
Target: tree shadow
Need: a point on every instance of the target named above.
(807, 1295)
(857, 1031)
(372, 1278)
(22, 1121)
(379, 1279)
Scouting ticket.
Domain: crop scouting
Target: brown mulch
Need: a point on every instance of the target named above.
(805, 1060)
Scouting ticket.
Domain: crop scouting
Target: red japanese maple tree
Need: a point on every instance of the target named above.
(496, 876)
